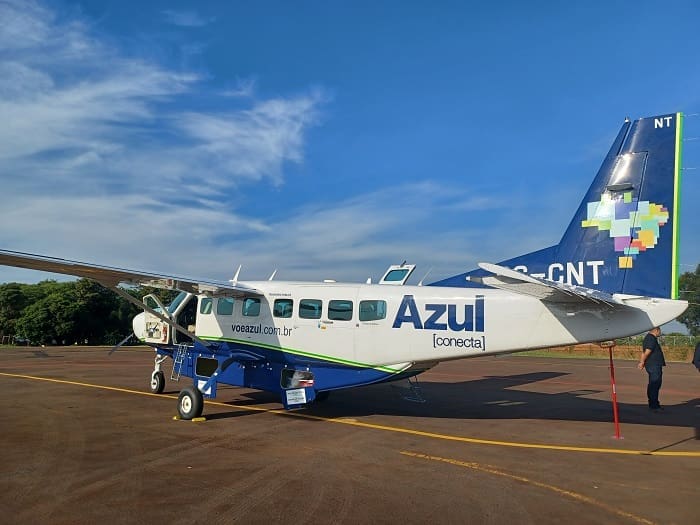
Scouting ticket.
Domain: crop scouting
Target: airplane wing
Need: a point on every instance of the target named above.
(111, 277)
(547, 291)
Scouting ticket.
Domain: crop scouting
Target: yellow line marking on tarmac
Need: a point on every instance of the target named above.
(373, 426)
(563, 492)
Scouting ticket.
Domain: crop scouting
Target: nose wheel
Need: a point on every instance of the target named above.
(157, 382)
(157, 377)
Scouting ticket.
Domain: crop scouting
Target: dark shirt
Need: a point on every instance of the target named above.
(696, 357)
(656, 358)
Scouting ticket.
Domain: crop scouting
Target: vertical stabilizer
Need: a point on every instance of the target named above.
(624, 235)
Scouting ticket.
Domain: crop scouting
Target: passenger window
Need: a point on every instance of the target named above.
(283, 308)
(340, 310)
(251, 307)
(205, 306)
(310, 308)
(224, 306)
(372, 310)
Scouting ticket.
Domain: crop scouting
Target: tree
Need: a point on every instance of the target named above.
(51, 319)
(70, 312)
(689, 286)
(95, 313)
(12, 302)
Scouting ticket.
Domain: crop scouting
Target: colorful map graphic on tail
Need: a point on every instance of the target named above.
(633, 225)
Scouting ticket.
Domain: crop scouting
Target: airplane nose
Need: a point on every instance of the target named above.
(139, 326)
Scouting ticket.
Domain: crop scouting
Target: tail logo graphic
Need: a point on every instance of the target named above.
(632, 224)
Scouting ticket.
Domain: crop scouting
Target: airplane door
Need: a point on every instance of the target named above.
(337, 326)
(185, 314)
(157, 331)
(325, 326)
(371, 325)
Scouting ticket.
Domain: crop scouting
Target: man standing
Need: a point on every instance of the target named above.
(652, 360)
(696, 356)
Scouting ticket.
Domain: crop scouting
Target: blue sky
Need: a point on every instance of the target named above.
(324, 139)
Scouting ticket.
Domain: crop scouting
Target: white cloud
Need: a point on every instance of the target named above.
(25, 24)
(103, 158)
(256, 142)
(245, 87)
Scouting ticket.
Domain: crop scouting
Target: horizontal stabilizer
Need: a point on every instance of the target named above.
(111, 277)
(547, 291)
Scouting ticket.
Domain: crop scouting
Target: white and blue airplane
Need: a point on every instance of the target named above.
(613, 274)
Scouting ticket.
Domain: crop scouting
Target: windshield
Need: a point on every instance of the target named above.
(176, 302)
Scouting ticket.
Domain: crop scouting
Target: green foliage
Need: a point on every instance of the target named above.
(65, 313)
(689, 286)
(51, 319)
(12, 302)
(667, 340)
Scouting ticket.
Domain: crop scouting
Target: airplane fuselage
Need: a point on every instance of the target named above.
(394, 327)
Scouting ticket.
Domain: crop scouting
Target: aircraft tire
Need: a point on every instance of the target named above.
(158, 383)
(190, 403)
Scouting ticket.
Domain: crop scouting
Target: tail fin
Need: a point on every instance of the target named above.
(624, 235)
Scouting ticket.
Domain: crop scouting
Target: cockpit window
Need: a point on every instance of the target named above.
(176, 302)
(205, 305)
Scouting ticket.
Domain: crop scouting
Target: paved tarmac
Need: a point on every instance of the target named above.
(498, 440)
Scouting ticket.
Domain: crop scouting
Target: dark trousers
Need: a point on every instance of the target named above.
(655, 377)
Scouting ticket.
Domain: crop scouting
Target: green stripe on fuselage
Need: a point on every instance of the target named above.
(305, 354)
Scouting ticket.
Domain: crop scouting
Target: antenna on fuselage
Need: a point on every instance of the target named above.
(420, 283)
(273, 275)
(234, 281)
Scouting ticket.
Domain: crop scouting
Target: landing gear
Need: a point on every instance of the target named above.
(157, 382)
(190, 403)
(158, 377)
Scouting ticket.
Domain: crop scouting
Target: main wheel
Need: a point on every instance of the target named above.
(190, 403)
(157, 382)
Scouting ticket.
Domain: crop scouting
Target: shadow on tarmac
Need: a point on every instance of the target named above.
(492, 397)
(489, 398)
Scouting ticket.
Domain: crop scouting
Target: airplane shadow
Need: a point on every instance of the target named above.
(490, 398)
(497, 397)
